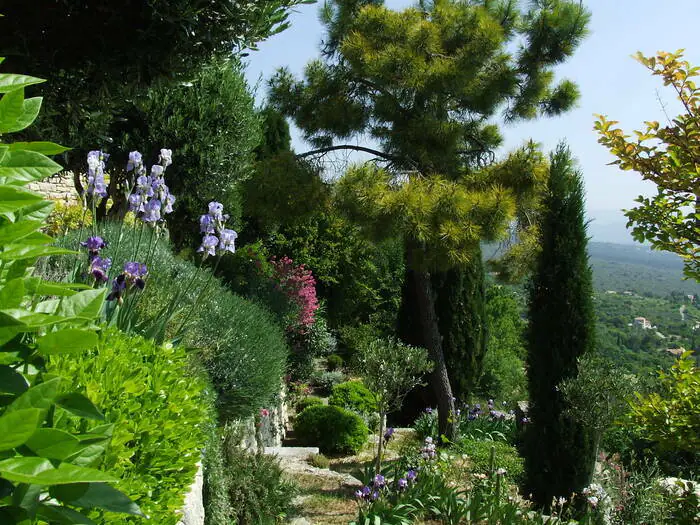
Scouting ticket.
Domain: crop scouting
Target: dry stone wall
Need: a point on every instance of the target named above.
(58, 187)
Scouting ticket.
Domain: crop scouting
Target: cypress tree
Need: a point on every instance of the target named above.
(557, 449)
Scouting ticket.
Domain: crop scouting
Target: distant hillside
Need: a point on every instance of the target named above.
(639, 269)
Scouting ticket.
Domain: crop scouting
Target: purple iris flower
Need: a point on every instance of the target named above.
(366, 491)
(389, 433)
(94, 244)
(209, 244)
(135, 162)
(169, 201)
(151, 211)
(96, 165)
(411, 475)
(99, 267)
(216, 210)
(227, 240)
(118, 288)
(374, 496)
(206, 224)
(136, 269)
(428, 410)
(403, 483)
(156, 170)
(379, 481)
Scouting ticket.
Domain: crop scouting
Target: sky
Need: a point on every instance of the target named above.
(612, 83)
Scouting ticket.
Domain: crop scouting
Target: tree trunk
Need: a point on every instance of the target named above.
(439, 379)
(380, 446)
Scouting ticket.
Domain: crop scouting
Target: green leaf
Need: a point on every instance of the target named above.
(12, 294)
(35, 285)
(41, 471)
(11, 108)
(27, 497)
(39, 396)
(37, 238)
(45, 148)
(67, 341)
(52, 443)
(87, 455)
(62, 515)
(13, 199)
(10, 82)
(79, 405)
(30, 111)
(96, 495)
(18, 426)
(85, 305)
(38, 211)
(11, 381)
(12, 232)
(19, 251)
(21, 167)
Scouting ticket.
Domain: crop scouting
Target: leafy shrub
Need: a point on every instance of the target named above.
(332, 429)
(325, 381)
(240, 343)
(671, 418)
(308, 402)
(319, 461)
(66, 217)
(159, 410)
(479, 454)
(257, 490)
(355, 396)
(334, 362)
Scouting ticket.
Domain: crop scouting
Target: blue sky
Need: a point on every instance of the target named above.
(611, 83)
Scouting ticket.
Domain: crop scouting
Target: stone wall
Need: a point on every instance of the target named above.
(58, 187)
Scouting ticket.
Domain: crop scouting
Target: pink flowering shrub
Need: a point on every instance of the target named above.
(299, 286)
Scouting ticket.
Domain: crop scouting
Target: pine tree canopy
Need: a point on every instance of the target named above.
(427, 82)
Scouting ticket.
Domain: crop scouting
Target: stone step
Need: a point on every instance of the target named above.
(301, 453)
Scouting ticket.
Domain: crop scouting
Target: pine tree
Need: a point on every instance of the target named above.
(426, 83)
(561, 329)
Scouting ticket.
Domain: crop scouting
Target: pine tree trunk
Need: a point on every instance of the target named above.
(439, 378)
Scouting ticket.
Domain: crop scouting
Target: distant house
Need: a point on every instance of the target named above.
(642, 322)
(677, 352)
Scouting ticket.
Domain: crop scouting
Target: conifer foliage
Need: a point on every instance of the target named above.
(561, 329)
(426, 83)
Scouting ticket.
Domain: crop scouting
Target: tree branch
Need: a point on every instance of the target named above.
(376, 153)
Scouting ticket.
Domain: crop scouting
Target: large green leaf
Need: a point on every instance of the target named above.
(40, 396)
(88, 454)
(27, 497)
(38, 211)
(79, 405)
(62, 515)
(21, 167)
(41, 471)
(67, 341)
(45, 148)
(96, 495)
(10, 82)
(11, 381)
(30, 111)
(27, 320)
(12, 232)
(13, 199)
(85, 305)
(20, 251)
(11, 109)
(16, 113)
(12, 294)
(35, 285)
(18, 426)
(52, 443)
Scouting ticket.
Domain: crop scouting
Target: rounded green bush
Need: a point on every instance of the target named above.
(308, 402)
(332, 429)
(334, 362)
(355, 396)
(161, 411)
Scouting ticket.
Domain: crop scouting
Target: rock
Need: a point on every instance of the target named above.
(300, 453)
(193, 510)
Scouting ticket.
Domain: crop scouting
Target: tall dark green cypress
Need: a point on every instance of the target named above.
(558, 451)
